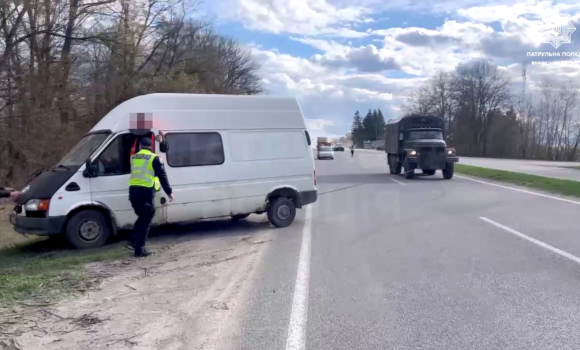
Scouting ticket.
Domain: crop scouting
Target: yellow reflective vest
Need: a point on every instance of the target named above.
(142, 172)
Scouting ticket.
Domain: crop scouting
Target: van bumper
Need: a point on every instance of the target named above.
(308, 197)
(38, 226)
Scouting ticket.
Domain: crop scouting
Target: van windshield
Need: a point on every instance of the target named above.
(83, 150)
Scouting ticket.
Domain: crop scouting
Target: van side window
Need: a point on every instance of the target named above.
(116, 158)
(194, 149)
(109, 161)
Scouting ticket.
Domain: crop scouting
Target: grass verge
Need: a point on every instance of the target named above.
(548, 184)
(39, 271)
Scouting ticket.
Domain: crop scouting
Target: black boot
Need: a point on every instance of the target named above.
(141, 253)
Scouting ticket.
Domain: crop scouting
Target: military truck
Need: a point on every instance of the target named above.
(416, 142)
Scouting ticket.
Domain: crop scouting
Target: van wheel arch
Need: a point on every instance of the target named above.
(286, 192)
(102, 209)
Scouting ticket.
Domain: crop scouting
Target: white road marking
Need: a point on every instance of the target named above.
(533, 240)
(397, 181)
(520, 190)
(299, 316)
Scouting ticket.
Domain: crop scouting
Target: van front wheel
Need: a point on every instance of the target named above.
(88, 229)
(281, 211)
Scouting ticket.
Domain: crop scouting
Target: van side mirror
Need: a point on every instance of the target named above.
(89, 169)
(164, 146)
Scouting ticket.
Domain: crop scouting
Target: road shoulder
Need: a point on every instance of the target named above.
(182, 298)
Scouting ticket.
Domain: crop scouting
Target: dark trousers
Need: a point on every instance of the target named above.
(144, 206)
(351, 152)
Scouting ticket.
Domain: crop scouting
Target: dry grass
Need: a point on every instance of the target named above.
(8, 236)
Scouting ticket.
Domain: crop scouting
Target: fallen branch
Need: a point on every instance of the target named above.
(126, 340)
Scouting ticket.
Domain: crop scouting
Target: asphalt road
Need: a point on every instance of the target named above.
(389, 263)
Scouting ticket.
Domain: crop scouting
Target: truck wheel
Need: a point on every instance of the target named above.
(88, 229)
(428, 171)
(281, 211)
(397, 167)
(391, 166)
(448, 171)
(409, 173)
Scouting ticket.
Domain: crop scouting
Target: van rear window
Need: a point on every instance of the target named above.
(194, 149)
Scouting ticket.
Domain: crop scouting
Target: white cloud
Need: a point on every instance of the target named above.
(347, 76)
(319, 128)
(308, 17)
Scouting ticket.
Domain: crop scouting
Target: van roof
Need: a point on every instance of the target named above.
(207, 112)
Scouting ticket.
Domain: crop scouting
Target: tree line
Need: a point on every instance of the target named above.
(487, 115)
(369, 128)
(65, 64)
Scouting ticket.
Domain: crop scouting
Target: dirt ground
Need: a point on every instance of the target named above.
(181, 298)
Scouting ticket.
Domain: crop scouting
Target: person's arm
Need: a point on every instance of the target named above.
(160, 173)
(4, 194)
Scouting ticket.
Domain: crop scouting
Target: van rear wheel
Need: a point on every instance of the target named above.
(88, 229)
(281, 211)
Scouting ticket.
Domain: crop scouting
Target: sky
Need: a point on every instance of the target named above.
(340, 56)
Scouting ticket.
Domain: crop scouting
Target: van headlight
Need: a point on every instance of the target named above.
(37, 205)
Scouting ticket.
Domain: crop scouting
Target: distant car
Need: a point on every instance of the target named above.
(325, 152)
(338, 148)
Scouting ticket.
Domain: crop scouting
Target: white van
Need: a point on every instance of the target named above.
(224, 155)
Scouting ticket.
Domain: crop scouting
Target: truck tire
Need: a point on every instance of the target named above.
(448, 171)
(281, 211)
(397, 167)
(409, 173)
(428, 171)
(391, 165)
(88, 229)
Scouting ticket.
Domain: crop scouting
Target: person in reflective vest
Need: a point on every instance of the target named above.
(147, 177)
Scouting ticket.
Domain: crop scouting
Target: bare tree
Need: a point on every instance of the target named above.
(64, 64)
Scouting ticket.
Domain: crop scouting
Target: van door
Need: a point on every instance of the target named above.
(110, 186)
(197, 173)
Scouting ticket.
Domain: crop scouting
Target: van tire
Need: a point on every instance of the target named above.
(240, 216)
(86, 222)
(281, 211)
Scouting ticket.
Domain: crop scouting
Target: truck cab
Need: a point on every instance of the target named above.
(417, 142)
